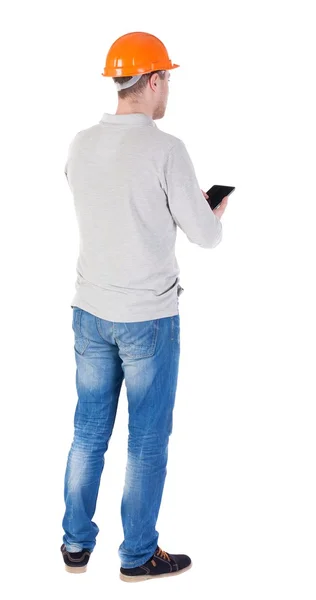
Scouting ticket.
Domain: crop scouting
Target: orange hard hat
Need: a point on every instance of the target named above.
(137, 53)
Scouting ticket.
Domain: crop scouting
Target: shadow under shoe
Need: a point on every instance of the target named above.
(161, 564)
(75, 562)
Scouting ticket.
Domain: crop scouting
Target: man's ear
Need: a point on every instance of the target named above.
(155, 84)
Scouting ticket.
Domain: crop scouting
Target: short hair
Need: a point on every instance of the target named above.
(136, 89)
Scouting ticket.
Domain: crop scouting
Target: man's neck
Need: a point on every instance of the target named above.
(126, 109)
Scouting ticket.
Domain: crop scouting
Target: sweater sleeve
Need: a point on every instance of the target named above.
(188, 207)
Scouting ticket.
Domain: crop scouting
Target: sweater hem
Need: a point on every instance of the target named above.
(121, 318)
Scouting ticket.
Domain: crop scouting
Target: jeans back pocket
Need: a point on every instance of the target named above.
(81, 342)
(137, 339)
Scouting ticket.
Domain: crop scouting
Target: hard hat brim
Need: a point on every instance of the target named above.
(116, 72)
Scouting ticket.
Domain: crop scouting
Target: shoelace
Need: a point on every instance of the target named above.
(163, 554)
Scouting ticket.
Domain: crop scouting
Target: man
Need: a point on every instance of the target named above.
(132, 186)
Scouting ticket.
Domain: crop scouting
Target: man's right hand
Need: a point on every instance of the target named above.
(220, 209)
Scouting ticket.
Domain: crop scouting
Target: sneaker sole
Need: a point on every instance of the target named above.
(137, 578)
(75, 569)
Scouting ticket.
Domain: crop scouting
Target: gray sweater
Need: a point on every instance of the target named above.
(132, 185)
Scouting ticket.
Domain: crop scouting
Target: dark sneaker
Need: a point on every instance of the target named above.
(161, 564)
(75, 562)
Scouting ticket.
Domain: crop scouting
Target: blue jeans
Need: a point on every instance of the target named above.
(146, 354)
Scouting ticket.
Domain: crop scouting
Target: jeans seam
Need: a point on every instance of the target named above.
(79, 322)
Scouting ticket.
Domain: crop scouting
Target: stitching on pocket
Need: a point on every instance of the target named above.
(81, 344)
(133, 351)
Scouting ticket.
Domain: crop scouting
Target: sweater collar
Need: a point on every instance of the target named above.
(128, 119)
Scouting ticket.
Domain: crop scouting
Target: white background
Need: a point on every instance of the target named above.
(240, 490)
